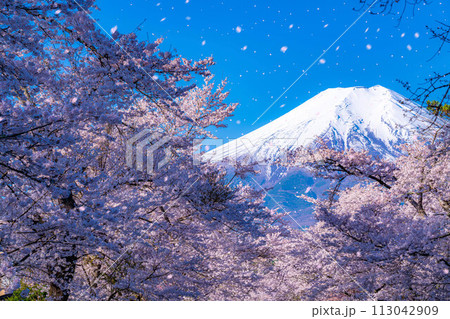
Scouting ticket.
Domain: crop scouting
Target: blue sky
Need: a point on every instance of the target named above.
(263, 46)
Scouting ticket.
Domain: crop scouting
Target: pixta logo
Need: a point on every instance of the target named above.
(148, 147)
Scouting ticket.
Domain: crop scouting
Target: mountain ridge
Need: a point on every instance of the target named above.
(375, 118)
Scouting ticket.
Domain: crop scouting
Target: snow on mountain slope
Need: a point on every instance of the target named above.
(376, 119)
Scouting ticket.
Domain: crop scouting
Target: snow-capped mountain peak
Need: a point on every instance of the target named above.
(375, 118)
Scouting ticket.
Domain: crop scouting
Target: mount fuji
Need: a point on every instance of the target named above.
(375, 119)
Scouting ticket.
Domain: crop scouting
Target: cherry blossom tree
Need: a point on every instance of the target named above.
(74, 219)
(384, 231)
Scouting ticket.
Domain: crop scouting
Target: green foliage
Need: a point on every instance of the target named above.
(439, 109)
(28, 293)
